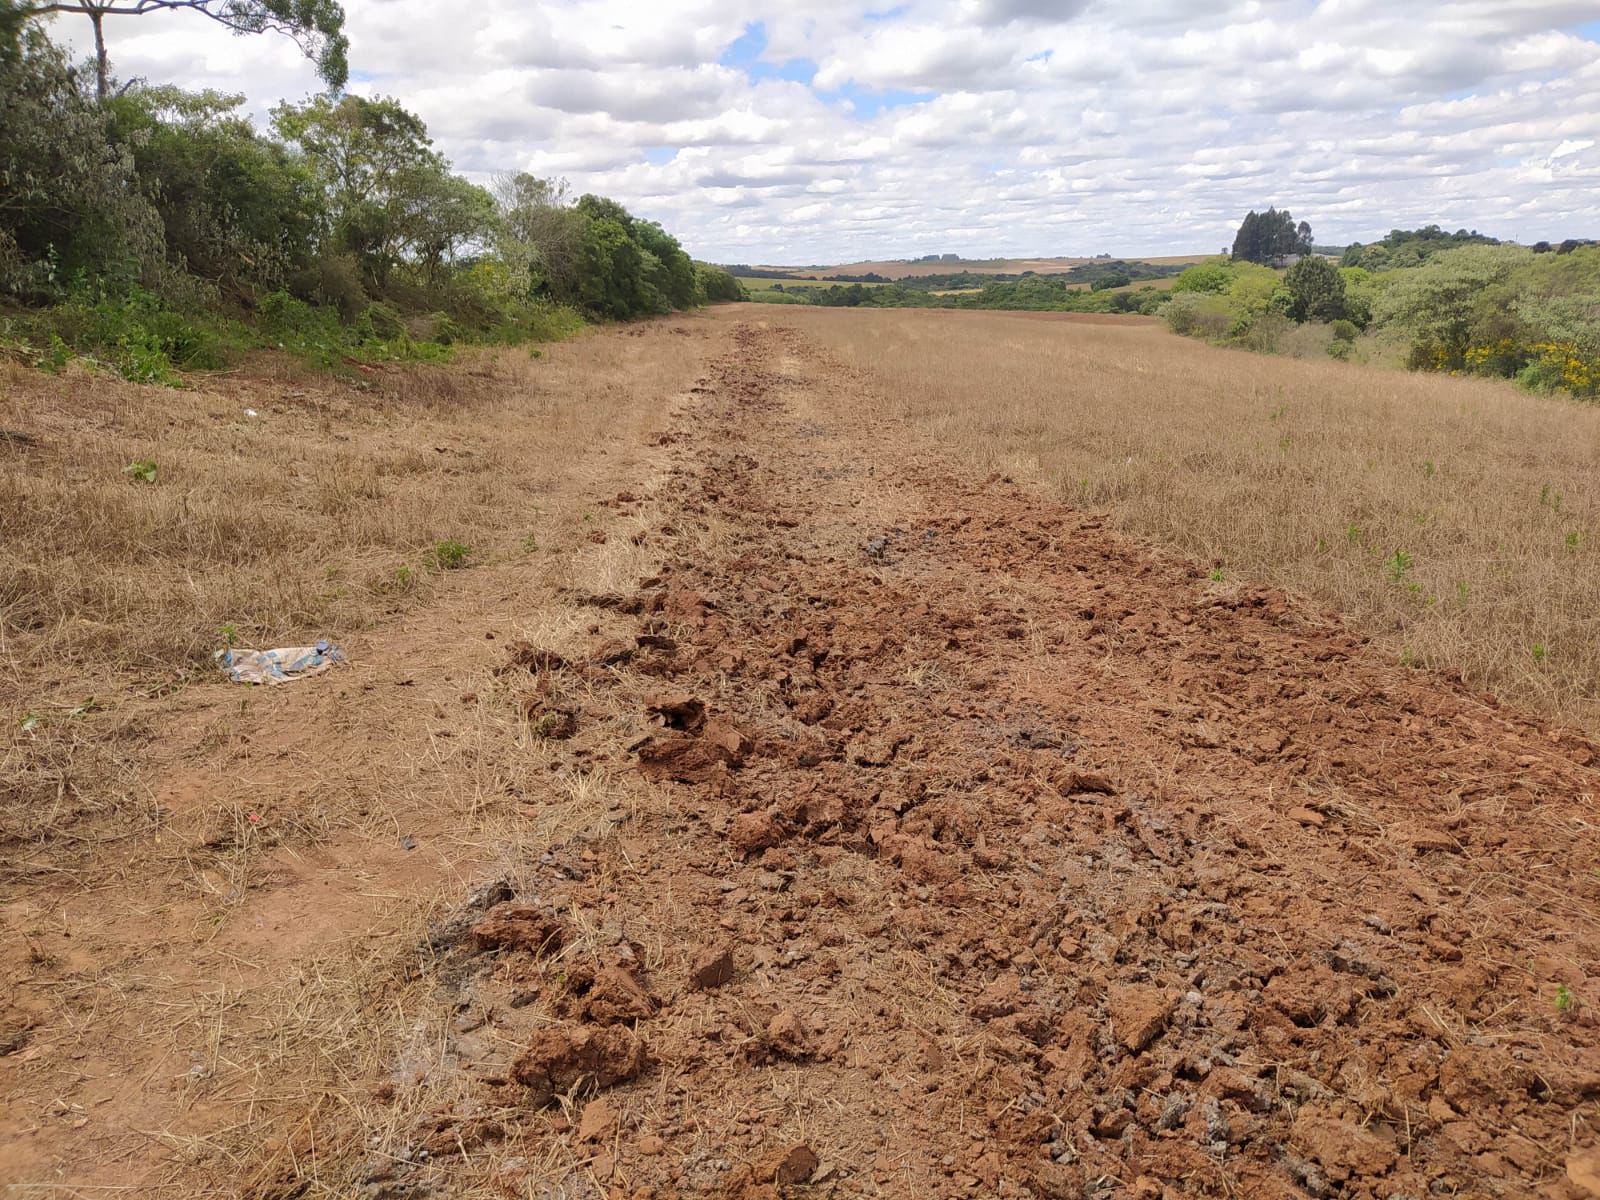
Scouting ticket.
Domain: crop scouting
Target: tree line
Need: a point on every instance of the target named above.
(342, 220)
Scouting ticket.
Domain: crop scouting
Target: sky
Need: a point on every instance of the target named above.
(821, 131)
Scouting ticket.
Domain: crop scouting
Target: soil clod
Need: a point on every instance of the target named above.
(711, 968)
(615, 996)
(518, 926)
(567, 1059)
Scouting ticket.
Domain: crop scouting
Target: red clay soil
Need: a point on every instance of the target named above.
(997, 854)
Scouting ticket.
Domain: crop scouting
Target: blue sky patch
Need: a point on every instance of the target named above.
(745, 51)
(868, 103)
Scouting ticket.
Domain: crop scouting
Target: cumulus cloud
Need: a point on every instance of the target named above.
(827, 129)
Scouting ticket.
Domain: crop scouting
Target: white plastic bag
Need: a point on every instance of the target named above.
(283, 665)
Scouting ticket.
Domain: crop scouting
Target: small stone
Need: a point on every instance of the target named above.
(652, 1145)
(511, 926)
(1423, 839)
(560, 1059)
(1340, 1147)
(1001, 998)
(678, 710)
(726, 738)
(1090, 782)
(615, 997)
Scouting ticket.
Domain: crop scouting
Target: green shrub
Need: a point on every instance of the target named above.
(332, 281)
(1541, 375)
(1151, 301)
(1196, 314)
(536, 321)
(133, 331)
(1316, 290)
(442, 328)
(309, 333)
(384, 321)
(1263, 333)
(1344, 330)
(717, 284)
(1213, 275)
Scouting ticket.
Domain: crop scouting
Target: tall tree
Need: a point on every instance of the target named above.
(69, 196)
(1273, 234)
(370, 156)
(539, 234)
(316, 26)
(12, 15)
(390, 196)
(1247, 242)
(439, 215)
(237, 209)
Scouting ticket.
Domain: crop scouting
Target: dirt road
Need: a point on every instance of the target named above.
(974, 850)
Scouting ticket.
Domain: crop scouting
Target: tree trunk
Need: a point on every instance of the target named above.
(102, 65)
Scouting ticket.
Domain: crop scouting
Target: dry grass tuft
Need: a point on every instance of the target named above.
(1457, 519)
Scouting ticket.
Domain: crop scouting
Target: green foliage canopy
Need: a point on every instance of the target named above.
(1402, 248)
(1438, 304)
(388, 195)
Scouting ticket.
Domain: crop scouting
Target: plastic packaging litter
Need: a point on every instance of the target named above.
(283, 665)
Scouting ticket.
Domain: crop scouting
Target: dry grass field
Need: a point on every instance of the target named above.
(1456, 519)
(700, 829)
(280, 503)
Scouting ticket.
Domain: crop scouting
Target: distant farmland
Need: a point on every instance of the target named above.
(790, 285)
(982, 266)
